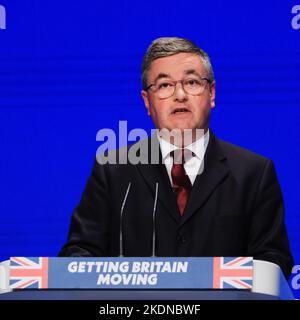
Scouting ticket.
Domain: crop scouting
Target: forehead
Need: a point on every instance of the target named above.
(175, 66)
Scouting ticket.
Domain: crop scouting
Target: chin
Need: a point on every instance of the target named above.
(184, 126)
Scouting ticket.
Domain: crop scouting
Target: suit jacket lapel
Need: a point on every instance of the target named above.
(215, 171)
(157, 173)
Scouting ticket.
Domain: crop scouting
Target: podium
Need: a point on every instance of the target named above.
(136, 295)
(176, 279)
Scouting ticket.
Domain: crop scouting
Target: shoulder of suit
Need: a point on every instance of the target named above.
(238, 153)
(123, 155)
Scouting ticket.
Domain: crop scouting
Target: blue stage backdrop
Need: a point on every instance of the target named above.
(70, 68)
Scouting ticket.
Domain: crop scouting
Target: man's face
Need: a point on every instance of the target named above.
(181, 110)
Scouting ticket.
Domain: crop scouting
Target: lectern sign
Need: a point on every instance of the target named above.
(131, 273)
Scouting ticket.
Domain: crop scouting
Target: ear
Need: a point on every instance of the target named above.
(212, 89)
(146, 100)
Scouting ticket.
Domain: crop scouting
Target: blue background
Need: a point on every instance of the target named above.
(71, 68)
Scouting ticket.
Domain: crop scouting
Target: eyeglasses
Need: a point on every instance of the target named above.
(166, 88)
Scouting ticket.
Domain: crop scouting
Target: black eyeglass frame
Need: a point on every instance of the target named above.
(209, 81)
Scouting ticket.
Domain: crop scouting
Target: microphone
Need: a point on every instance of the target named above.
(121, 219)
(154, 220)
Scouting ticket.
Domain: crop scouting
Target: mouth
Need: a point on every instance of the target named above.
(182, 110)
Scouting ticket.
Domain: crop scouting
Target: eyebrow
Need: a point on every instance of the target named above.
(161, 76)
(186, 72)
(192, 71)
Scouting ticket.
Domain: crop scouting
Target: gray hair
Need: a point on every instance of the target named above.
(164, 47)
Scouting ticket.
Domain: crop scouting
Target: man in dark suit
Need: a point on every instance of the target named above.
(202, 198)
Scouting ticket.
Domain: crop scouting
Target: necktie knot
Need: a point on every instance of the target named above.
(180, 156)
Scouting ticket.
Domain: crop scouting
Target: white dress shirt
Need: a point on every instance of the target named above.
(193, 165)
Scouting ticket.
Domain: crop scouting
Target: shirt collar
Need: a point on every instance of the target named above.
(198, 147)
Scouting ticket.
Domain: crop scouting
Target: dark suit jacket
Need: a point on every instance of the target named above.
(235, 209)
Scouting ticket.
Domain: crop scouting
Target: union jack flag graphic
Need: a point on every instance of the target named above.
(232, 273)
(29, 273)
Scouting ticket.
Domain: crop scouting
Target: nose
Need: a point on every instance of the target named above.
(179, 94)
